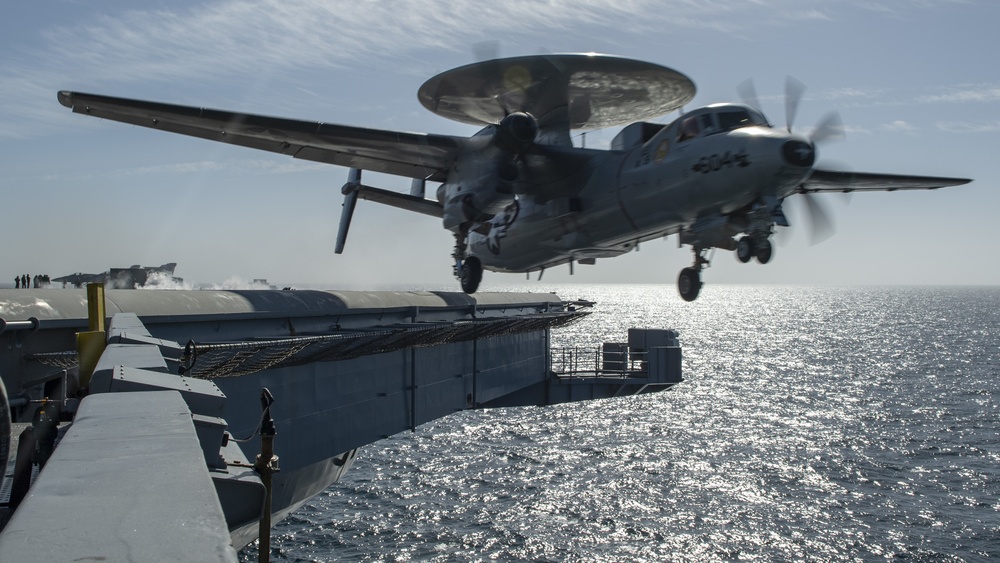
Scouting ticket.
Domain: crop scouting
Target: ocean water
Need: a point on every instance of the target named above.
(815, 423)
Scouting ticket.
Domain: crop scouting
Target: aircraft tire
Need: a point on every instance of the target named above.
(745, 249)
(689, 284)
(764, 251)
(472, 274)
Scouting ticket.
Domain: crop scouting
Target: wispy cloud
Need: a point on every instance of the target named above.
(238, 36)
(898, 126)
(215, 41)
(878, 8)
(856, 130)
(211, 42)
(850, 94)
(967, 127)
(965, 93)
(812, 14)
(229, 167)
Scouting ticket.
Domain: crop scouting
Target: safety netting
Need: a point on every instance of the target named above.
(233, 359)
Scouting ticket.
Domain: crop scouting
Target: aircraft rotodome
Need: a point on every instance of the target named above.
(519, 197)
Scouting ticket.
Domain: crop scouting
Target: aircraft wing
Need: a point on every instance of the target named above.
(836, 181)
(413, 155)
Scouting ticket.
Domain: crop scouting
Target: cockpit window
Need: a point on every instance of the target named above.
(707, 125)
(735, 118)
(689, 129)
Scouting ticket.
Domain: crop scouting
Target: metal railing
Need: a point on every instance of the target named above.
(612, 360)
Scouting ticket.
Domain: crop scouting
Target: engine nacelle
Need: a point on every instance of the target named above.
(516, 132)
(482, 182)
(464, 206)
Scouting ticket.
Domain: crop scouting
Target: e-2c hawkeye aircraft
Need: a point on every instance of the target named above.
(519, 197)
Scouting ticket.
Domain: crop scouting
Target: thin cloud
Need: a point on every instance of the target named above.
(850, 94)
(964, 94)
(801, 15)
(274, 39)
(254, 166)
(229, 167)
(879, 8)
(967, 127)
(898, 126)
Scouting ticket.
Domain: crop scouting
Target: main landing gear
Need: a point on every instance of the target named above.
(468, 269)
(470, 273)
(689, 282)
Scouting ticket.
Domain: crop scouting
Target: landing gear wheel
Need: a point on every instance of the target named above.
(764, 251)
(471, 274)
(745, 249)
(689, 284)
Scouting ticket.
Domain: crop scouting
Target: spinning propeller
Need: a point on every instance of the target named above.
(830, 127)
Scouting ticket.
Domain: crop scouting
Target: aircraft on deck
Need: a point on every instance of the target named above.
(519, 197)
(124, 278)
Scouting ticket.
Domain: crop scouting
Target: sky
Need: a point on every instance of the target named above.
(916, 84)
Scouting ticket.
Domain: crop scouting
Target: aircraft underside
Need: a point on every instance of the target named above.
(746, 233)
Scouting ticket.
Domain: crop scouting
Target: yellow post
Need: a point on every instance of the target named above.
(95, 306)
(90, 344)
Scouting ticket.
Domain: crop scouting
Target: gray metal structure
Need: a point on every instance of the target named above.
(181, 378)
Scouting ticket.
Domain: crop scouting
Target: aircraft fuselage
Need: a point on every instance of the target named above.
(662, 186)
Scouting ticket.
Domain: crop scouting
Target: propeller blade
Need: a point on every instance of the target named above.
(486, 50)
(783, 235)
(793, 95)
(748, 94)
(830, 127)
(820, 223)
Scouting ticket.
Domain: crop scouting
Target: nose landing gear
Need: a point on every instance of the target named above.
(764, 251)
(750, 247)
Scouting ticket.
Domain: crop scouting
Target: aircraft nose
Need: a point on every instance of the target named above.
(798, 153)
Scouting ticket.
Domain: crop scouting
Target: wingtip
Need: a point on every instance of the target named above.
(66, 98)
